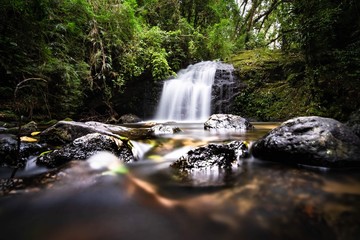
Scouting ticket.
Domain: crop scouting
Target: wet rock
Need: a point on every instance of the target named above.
(312, 141)
(67, 131)
(85, 147)
(227, 122)
(354, 122)
(129, 118)
(26, 129)
(9, 150)
(225, 89)
(162, 130)
(212, 155)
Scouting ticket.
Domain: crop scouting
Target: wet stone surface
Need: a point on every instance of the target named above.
(84, 147)
(212, 155)
(227, 122)
(314, 141)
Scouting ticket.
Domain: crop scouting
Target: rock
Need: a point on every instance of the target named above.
(312, 141)
(162, 130)
(26, 129)
(129, 118)
(227, 122)
(225, 89)
(29, 128)
(8, 150)
(212, 155)
(65, 132)
(86, 146)
(354, 122)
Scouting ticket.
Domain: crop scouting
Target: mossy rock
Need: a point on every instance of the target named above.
(8, 116)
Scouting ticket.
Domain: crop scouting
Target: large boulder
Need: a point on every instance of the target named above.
(85, 147)
(314, 141)
(67, 131)
(227, 122)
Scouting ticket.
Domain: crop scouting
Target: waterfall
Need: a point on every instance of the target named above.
(197, 92)
(188, 97)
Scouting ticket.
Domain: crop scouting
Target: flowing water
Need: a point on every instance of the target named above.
(188, 97)
(149, 200)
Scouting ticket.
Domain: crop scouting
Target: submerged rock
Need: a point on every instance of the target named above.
(85, 147)
(227, 122)
(162, 130)
(312, 141)
(212, 155)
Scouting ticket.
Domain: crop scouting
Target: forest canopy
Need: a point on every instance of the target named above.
(63, 58)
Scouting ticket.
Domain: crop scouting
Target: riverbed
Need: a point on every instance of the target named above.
(149, 200)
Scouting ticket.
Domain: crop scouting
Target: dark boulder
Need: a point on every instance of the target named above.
(227, 122)
(225, 89)
(354, 122)
(314, 141)
(25, 129)
(9, 150)
(129, 118)
(212, 155)
(85, 147)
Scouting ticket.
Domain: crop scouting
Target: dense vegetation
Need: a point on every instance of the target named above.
(81, 58)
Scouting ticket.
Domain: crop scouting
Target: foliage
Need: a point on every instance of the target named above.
(276, 87)
(88, 52)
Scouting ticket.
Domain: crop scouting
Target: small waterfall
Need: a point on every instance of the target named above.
(188, 97)
(198, 91)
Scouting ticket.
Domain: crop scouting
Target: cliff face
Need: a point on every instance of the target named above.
(227, 86)
(274, 86)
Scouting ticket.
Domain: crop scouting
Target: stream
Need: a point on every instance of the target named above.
(149, 200)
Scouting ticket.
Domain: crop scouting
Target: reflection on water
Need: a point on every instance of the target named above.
(257, 200)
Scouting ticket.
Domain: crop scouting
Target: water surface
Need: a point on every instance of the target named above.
(257, 200)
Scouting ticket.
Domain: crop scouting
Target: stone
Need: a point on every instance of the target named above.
(225, 89)
(129, 118)
(314, 141)
(26, 129)
(67, 131)
(162, 130)
(85, 147)
(227, 122)
(354, 122)
(9, 153)
(212, 155)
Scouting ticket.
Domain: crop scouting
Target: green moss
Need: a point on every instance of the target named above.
(8, 115)
(276, 86)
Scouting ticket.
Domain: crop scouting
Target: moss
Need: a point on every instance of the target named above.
(276, 86)
(8, 116)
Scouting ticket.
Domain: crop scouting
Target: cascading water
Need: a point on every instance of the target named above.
(188, 97)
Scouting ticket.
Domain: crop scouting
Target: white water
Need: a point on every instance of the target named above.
(188, 97)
